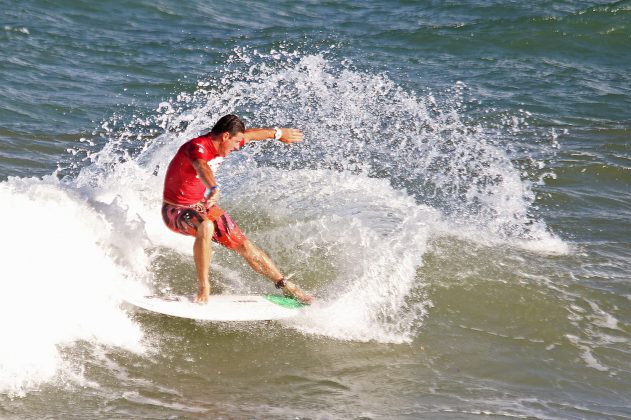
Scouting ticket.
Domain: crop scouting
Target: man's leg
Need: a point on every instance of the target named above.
(263, 264)
(259, 260)
(202, 253)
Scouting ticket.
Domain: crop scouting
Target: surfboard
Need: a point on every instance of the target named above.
(221, 307)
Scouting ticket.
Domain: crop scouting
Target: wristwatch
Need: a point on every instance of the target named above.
(278, 133)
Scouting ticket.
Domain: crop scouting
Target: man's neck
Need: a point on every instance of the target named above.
(215, 140)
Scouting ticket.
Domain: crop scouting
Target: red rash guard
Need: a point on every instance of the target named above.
(182, 185)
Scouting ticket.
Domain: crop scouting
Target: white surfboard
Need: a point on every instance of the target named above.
(221, 307)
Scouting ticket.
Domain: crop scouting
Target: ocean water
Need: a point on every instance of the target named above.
(460, 208)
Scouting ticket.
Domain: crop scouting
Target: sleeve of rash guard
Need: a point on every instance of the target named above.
(198, 151)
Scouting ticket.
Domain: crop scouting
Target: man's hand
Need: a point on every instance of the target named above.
(213, 199)
(294, 291)
(292, 135)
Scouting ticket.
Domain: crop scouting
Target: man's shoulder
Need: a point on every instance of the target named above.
(199, 141)
(200, 148)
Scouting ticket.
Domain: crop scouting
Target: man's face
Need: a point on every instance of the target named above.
(230, 143)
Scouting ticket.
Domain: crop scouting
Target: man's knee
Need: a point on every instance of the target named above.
(205, 229)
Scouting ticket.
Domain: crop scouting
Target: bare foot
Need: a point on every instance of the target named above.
(202, 295)
(294, 291)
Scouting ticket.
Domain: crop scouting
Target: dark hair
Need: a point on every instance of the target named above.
(228, 123)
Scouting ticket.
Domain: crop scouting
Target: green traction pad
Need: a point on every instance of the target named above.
(284, 301)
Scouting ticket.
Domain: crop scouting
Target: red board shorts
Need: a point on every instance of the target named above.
(185, 219)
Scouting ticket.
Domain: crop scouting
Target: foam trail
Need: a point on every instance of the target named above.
(369, 240)
(381, 171)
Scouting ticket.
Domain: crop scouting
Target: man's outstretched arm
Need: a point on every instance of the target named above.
(289, 135)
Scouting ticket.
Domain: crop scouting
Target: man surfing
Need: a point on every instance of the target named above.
(191, 194)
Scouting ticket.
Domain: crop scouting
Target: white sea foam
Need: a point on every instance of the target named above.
(61, 282)
(22, 29)
(586, 354)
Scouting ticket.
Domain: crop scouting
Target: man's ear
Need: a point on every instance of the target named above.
(225, 136)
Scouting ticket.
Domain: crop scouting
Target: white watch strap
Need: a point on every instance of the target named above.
(278, 133)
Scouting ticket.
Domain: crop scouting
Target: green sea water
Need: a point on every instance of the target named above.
(460, 208)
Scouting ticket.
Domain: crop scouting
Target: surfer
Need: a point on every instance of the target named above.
(191, 194)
